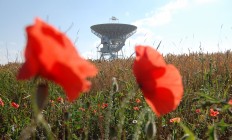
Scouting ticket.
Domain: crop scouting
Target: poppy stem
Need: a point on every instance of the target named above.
(140, 122)
(108, 116)
(39, 119)
(122, 111)
(159, 127)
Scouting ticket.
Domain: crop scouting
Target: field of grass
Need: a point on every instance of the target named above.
(107, 113)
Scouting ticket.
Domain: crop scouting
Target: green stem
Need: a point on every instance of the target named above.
(139, 123)
(39, 117)
(122, 111)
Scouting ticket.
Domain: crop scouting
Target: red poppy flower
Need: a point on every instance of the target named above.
(138, 101)
(60, 100)
(136, 108)
(198, 111)
(104, 105)
(51, 55)
(213, 113)
(230, 102)
(15, 105)
(1, 102)
(160, 83)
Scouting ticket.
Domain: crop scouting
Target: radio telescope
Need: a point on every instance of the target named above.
(113, 36)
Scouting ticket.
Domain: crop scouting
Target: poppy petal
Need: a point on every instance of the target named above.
(148, 53)
(143, 64)
(173, 81)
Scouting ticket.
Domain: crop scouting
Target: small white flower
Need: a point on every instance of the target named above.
(134, 121)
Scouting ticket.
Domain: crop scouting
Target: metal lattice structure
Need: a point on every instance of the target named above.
(113, 37)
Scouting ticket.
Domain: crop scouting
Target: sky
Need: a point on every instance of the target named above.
(182, 26)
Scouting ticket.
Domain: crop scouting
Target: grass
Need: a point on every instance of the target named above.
(107, 113)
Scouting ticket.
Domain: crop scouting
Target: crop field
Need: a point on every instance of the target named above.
(115, 108)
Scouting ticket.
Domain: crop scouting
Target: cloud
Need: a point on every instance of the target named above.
(93, 54)
(201, 2)
(89, 55)
(163, 15)
(9, 53)
(149, 13)
(155, 18)
(7, 56)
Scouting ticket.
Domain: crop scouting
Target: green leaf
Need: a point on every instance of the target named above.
(188, 132)
(222, 125)
(74, 137)
(209, 98)
(212, 133)
(15, 120)
(78, 126)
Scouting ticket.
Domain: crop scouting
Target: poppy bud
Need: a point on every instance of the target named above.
(14, 105)
(41, 96)
(115, 84)
(113, 132)
(150, 130)
(66, 115)
(88, 105)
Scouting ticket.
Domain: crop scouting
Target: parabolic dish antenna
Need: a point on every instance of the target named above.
(113, 37)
